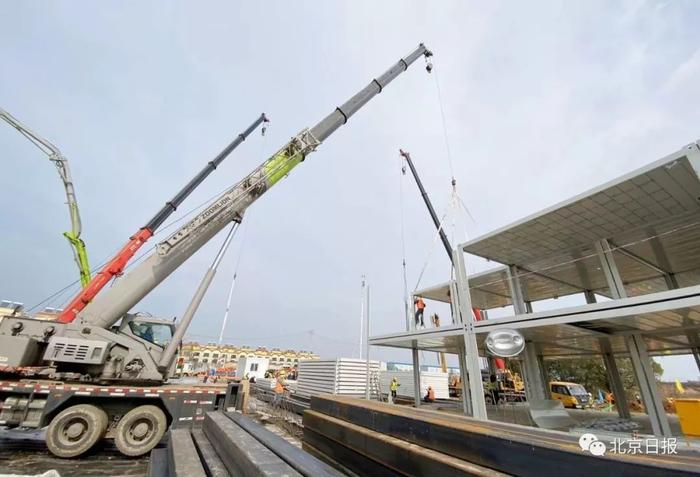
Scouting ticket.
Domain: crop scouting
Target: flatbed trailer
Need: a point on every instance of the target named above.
(33, 404)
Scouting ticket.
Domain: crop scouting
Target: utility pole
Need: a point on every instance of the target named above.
(367, 380)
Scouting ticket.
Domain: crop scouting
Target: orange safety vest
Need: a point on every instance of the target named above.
(420, 304)
(431, 394)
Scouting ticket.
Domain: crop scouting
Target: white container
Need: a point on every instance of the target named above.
(252, 367)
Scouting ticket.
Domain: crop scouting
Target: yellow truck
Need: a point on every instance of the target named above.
(570, 394)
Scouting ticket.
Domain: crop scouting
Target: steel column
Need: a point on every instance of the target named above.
(416, 374)
(696, 355)
(454, 303)
(641, 362)
(544, 376)
(612, 275)
(534, 387)
(476, 386)
(590, 296)
(516, 291)
(464, 378)
(616, 386)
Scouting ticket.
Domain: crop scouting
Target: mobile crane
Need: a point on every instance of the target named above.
(61, 163)
(100, 343)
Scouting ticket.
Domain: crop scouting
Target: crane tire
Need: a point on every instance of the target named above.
(140, 430)
(75, 430)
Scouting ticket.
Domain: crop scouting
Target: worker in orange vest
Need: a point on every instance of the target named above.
(279, 389)
(420, 307)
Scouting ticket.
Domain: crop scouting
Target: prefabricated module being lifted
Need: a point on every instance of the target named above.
(96, 338)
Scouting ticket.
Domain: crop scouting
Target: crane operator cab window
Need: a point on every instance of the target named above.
(156, 333)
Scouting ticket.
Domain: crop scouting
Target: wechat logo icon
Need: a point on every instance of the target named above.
(589, 442)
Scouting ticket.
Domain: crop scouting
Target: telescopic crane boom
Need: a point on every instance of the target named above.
(109, 307)
(116, 265)
(61, 163)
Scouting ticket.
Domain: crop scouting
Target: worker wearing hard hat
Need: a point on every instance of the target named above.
(394, 387)
(420, 308)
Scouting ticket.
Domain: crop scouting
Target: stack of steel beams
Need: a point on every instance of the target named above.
(372, 438)
(232, 444)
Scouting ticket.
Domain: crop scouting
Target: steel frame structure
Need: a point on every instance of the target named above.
(631, 240)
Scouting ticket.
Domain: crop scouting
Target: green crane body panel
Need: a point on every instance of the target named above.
(280, 165)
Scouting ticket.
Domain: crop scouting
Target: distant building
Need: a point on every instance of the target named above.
(15, 308)
(200, 357)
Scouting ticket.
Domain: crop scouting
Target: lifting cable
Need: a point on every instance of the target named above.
(246, 226)
(407, 305)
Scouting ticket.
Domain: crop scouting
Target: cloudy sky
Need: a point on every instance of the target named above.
(541, 101)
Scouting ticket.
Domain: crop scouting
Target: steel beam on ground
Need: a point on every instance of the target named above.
(612, 274)
(471, 350)
(182, 455)
(296, 458)
(641, 362)
(516, 450)
(416, 375)
(213, 465)
(241, 453)
(400, 457)
(616, 386)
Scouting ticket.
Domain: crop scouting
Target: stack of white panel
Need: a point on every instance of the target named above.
(438, 380)
(265, 383)
(343, 376)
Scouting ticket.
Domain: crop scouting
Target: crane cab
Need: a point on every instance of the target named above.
(147, 329)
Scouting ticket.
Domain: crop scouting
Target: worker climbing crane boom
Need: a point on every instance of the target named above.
(61, 163)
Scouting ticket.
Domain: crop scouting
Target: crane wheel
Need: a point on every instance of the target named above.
(75, 430)
(140, 430)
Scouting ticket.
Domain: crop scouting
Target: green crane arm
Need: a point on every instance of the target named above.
(61, 163)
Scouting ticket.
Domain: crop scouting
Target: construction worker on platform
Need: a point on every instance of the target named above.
(420, 308)
(430, 395)
(394, 387)
(435, 319)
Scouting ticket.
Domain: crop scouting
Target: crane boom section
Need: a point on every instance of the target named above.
(116, 265)
(109, 307)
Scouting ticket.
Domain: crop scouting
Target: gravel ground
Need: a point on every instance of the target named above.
(30, 457)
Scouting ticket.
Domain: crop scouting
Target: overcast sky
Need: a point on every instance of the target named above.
(542, 101)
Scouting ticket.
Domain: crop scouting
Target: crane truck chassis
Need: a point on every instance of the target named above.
(97, 341)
